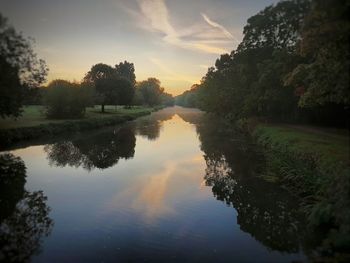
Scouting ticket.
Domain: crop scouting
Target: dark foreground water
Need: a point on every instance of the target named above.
(170, 187)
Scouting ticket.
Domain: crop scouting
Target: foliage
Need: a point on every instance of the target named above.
(292, 66)
(276, 26)
(113, 85)
(151, 91)
(189, 98)
(20, 69)
(126, 70)
(167, 99)
(316, 167)
(325, 44)
(64, 99)
(36, 126)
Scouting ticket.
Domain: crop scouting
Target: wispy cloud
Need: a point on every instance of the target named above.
(156, 16)
(217, 25)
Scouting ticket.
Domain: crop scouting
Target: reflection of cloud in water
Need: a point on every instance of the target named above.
(150, 196)
(151, 199)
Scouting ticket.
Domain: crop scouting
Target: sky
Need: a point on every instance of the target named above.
(173, 40)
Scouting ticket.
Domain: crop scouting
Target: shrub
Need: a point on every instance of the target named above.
(64, 99)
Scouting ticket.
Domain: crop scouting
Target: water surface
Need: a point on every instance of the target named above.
(170, 187)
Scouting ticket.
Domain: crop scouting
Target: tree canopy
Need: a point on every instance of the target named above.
(151, 91)
(20, 69)
(292, 65)
(113, 85)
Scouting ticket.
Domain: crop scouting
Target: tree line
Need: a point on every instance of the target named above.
(23, 76)
(292, 65)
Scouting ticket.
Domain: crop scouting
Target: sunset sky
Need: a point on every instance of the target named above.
(173, 40)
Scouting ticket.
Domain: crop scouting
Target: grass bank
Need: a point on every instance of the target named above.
(314, 164)
(33, 123)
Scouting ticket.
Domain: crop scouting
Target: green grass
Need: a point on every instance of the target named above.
(314, 164)
(34, 115)
(318, 142)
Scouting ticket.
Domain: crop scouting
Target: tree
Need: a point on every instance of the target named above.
(64, 99)
(126, 91)
(324, 78)
(126, 83)
(113, 85)
(127, 71)
(11, 90)
(167, 99)
(277, 26)
(151, 91)
(250, 81)
(103, 77)
(19, 67)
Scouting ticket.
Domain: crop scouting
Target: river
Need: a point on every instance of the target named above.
(174, 186)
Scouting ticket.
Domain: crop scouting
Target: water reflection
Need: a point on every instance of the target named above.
(150, 126)
(268, 213)
(160, 207)
(105, 148)
(97, 150)
(24, 217)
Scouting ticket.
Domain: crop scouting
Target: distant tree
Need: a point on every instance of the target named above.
(138, 98)
(167, 99)
(20, 69)
(64, 99)
(103, 77)
(151, 91)
(113, 85)
(126, 91)
(189, 98)
(127, 71)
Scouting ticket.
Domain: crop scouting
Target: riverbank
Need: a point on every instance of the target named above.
(314, 164)
(33, 123)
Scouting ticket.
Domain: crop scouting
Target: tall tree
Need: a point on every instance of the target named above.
(277, 26)
(113, 85)
(127, 82)
(105, 79)
(126, 70)
(20, 69)
(324, 78)
(151, 91)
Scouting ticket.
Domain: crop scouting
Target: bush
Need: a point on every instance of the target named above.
(64, 99)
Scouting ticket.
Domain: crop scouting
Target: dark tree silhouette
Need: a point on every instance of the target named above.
(113, 85)
(127, 71)
(104, 78)
(20, 69)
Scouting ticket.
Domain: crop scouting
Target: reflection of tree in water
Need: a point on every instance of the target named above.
(265, 211)
(100, 150)
(149, 126)
(104, 148)
(24, 217)
(192, 116)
